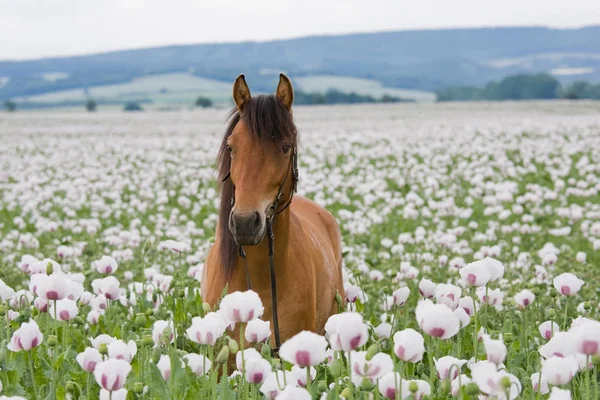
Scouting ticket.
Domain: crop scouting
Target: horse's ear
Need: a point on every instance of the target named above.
(241, 93)
(285, 91)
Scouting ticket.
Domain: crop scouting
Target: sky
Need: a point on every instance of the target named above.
(32, 29)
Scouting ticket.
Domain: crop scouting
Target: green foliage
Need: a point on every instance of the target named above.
(203, 102)
(132, 107)
(334, 96)
(10, 106)
(515, 87)
(581, 90)
(91, 105)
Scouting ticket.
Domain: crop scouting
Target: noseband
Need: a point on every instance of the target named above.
(271, 212)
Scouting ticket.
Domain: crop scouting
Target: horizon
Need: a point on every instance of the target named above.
(291, 38)
(62, 28)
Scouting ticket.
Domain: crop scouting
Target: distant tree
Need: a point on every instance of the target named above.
(91, 105)
(515, 87)
(581, 90)
(10, 106)
(132, 107)
(203, 102)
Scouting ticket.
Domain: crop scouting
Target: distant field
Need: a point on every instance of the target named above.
(321, 83)
(160, 90)
(182, 89)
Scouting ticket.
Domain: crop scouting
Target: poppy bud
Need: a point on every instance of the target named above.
(147, 341)
(181, 293)
(335, 368)
(52, 341)
(505, 382)
(149, 312)
(154, 297)
(372, 350)
(138, 387)
(206, 307)
(509, 337)
(420, 368)
(69, 387)
(78, 320)
(265, 351)
(2, 311)
(156, 355)
(338, 298)
(233, 345)
(140, 320)
(223, 355)
(553, 293)
(472, 389)
(587, 306)
(551, 313)
(345, 393)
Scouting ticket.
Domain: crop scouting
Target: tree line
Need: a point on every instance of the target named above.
(522, 87)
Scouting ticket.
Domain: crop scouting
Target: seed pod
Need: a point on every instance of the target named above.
(413, 387)
(49, 268)
(140, 320)
(2, 311)
(138, 387)
(147, 341)
(366, 384)
(53, 341)
(345, 393)
(206, 307)
(322, 386)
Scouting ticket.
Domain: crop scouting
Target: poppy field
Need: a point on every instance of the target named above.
(471, 242)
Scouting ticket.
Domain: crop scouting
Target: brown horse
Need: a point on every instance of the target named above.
(256, 163)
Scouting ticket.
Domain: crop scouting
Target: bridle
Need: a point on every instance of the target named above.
(271, 212)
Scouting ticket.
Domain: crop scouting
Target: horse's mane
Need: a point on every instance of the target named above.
(267, 119)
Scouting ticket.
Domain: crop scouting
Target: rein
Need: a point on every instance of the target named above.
(271, 213)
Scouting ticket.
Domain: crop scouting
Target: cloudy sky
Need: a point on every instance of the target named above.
(41, 28)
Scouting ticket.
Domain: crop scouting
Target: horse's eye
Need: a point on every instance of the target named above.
(229, 149)
(286, 148)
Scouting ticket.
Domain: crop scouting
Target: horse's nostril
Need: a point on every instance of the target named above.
(256, 218)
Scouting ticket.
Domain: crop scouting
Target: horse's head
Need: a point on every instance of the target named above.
(257, 153)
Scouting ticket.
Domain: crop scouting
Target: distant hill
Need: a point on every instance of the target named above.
(419, 60)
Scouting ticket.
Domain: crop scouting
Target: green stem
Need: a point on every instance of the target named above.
(475, 341)
(34, 384)
(350, 386)
(242, 383)
(566, 312)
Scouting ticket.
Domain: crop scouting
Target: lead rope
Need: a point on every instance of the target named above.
(243, 255)
(271, 238)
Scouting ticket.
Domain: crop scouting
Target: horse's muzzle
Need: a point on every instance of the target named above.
(248, 228)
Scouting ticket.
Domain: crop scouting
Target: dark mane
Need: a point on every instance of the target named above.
(270, 122)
